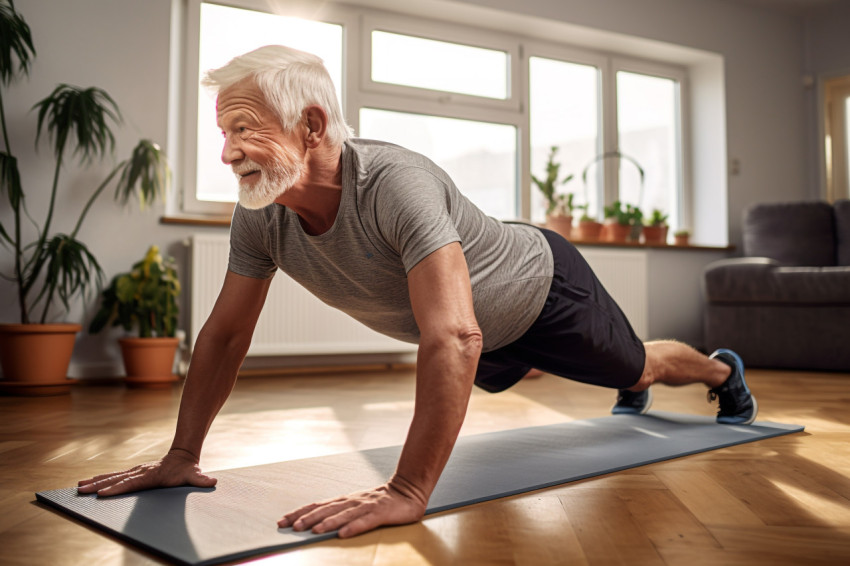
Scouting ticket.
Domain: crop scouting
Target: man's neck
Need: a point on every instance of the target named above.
(316, 197)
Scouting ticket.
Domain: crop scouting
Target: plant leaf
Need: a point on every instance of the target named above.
(147, 169)
(15, 43)
(84, 113)
(71, 269)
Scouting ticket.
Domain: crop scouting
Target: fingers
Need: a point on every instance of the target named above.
(102, 481)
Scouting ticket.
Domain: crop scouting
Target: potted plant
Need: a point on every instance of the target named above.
(622, 222)
(559, 207)
(655, 228)
(34, 354)
(682, 237)
(588, 228)
(144, 301)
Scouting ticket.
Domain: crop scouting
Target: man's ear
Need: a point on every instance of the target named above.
(316, 120)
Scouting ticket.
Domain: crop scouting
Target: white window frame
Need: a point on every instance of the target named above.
(681, 215)
(360, 91)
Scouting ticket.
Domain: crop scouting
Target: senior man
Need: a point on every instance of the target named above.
(383, 234)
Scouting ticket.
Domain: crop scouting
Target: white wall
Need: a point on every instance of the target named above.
(123, 47)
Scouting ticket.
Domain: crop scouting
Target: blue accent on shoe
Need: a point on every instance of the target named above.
(737, 404)
(632, 403)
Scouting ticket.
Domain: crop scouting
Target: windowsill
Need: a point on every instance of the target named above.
(196, 220)
(224, 221)
(641, 245)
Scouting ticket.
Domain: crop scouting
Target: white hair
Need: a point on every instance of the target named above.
(290, 80)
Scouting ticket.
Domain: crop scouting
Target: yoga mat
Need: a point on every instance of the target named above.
(237, 518)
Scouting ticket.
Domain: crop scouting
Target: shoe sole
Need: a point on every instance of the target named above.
(615, 410)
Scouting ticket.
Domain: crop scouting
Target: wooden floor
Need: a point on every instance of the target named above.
(778, 501)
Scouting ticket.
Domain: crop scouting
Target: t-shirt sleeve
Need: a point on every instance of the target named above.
(413, 210)
(249, 248)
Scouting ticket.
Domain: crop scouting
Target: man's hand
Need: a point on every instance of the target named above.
(174, 469)
(394, 503)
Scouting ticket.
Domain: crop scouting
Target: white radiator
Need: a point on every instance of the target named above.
(624, 273)
(293, 321)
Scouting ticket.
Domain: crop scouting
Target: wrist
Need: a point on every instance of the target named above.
(409, 490)
(184, 454)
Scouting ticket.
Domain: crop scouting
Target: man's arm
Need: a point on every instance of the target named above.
(218, 353)
(449, 347)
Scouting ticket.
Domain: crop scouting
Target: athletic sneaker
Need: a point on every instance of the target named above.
(631, 403)
(737, 404)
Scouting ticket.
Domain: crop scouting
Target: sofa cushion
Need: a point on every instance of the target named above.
(842, 232)
(797, 234)
(762, 280)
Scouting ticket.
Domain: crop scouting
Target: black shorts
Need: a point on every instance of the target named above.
(581, 333)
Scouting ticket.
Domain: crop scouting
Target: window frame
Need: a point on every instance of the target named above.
(360, 91)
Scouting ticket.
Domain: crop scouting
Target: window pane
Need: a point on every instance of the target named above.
(564, 112)
(480, 157)
(647, 114)
(218, 45)
(438, 65)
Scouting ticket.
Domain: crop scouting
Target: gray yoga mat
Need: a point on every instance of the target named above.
(237, 518)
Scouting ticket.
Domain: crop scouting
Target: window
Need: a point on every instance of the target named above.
(213, 180)
(837, 137)
(565, 112)
(485, 106)
(439, 65)
(648, 132)
(481, 158)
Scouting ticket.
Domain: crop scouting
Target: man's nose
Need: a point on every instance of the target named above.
(231, 151)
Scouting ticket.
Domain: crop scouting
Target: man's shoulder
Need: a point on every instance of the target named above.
(376, 157)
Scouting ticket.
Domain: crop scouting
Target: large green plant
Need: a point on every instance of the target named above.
(79, 124)
(145, 299)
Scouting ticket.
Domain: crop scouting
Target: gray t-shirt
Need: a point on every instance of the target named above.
(396, 208)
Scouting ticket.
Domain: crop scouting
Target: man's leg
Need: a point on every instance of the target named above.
(675, 363)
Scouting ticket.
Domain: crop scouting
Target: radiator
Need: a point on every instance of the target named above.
(624, 274)
(293, 321)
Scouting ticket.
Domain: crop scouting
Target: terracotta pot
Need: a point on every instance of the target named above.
(655, 234)
(148, 362)
(588, 231)
(35, 358)
(616, 232)
(682, 240)
(561, 224)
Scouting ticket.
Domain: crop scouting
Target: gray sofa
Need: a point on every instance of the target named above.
(786, 303)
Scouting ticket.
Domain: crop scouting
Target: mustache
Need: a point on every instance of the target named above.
(247, 166)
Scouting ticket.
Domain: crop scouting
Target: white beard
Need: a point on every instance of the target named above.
(275, 179)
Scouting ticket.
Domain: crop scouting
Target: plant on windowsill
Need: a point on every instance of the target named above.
(588, 228)
(144, 301)
(35, 355)
(682, 237)
(559, 206)
(623, 223)
(655, 228)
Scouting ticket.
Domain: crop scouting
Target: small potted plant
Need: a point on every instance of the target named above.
(623, 223)
(588, 228)
(144, 301)
(559, 207)
(682, 237)
(655, 228)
